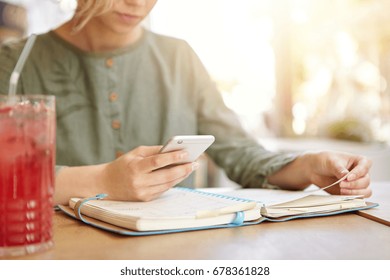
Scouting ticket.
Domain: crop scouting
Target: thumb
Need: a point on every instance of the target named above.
(339, 170)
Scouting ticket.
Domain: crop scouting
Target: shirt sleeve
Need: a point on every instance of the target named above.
(243, 159)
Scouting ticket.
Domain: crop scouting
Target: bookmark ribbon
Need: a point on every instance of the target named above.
(331, 185)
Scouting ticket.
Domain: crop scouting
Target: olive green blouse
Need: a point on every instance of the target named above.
(109, 103)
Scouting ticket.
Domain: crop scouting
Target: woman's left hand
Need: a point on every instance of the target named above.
(329, 167)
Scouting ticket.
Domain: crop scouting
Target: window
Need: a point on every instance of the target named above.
(293, 67)
(233, 40)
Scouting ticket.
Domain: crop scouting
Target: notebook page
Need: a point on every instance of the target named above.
(267, 196)
(175, 203)
(270, 197)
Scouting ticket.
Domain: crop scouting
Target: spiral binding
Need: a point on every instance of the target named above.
(216, 195)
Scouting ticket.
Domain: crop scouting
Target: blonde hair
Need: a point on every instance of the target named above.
(87, 9)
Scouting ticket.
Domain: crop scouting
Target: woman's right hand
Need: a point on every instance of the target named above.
(143, 174)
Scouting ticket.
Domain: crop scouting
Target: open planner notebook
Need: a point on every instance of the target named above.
(184, 209)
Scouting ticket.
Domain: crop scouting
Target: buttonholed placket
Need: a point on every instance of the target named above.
(113, 100)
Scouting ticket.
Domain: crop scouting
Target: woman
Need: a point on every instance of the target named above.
(122, 91)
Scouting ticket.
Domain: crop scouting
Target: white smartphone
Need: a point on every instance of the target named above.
(195, 145)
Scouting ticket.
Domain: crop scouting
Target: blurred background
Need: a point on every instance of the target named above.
(301, 74)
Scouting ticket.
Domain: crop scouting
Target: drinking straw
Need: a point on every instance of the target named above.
(13, 82)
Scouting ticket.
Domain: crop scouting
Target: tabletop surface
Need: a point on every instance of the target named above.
(381, 195)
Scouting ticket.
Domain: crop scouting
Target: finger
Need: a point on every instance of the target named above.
(158, 161)
(367, 192)
(179, 179)
(155, 191)
(361, 183)
(337, 168)
(360, 170)
(170, 174)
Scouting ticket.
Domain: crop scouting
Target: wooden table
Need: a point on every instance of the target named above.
(347, 236)
(381, 195)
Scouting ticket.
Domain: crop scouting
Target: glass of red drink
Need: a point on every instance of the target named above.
(27, 173)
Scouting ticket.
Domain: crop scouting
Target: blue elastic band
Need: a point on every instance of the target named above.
(80, 203)
(239, 219)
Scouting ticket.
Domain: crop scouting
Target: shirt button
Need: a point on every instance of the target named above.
(109, 62)
(119, 153)
(116, 124)
(113, 96)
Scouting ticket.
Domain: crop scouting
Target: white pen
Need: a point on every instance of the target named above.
(225, 210)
